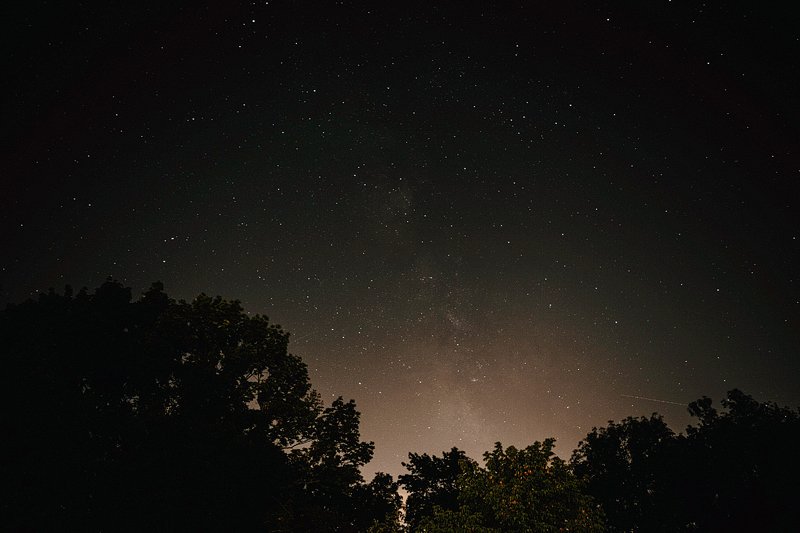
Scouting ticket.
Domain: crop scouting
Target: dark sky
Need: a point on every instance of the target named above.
(483, 221)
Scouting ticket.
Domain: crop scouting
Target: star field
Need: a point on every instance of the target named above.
(496, 222)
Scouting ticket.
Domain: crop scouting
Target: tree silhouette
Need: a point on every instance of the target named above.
(166, 415)
(378, 498)
(171, 415)
(529, 489)
(518, 490)
(329, 461)
(743, 465)
(431, 482)
(733, 471)
(625, 466)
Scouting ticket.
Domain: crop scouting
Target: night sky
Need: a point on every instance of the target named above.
(482, 221)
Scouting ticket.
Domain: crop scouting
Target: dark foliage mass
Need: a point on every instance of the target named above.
(158, 414)
(517, 490)
(432, 482)
(734, 470)
(171, 415)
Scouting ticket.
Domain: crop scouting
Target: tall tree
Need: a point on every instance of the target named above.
(165, 414)
(517, 490)
(742, 465)
(625, 466)
(529, 489)
(431, 482)
(735, 470)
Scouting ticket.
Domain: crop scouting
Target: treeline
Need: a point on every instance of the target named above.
(156, 414)
(735, 470)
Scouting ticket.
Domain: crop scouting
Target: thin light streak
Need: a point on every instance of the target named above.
(652, 399)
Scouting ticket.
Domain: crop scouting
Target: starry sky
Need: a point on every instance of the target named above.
(481, 220)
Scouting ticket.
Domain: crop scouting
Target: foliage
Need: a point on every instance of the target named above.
(449, 520)
(517, 490)
(171, 415)
(529, 489)
(742, 465)
(623, 464)
(734, 471)
(431, 482)
(379, 498)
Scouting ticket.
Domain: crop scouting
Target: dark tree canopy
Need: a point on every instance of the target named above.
(158, 414)
(518, 490)
(529, 489)
(621, 464)
(172, 415)
(735, 470)
(431, 482)
(743, 465)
